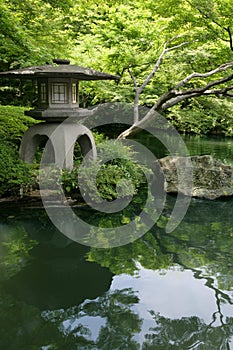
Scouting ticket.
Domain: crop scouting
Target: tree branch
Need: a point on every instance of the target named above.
(133, 78)
(228, 29)
(204, 75)
(139, 89)
(159, 61)
(163, 104)
(175, 96)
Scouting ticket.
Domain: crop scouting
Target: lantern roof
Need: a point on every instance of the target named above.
(60, 68)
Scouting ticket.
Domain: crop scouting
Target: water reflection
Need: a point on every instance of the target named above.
(164, 291)
(217, 146)
(178, 311)
(59, 278)
(188, 333)
(105, 323)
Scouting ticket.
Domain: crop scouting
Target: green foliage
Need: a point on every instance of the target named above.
(122, 259)
(203, 116)
(110, 174)
(13, 123)
(32, 31)
(115, 36)
(14, 252)
(14, 174)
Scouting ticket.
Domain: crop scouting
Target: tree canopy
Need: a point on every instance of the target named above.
(127, 39)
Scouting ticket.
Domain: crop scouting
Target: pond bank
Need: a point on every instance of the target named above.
(33, 199)
(197, 176)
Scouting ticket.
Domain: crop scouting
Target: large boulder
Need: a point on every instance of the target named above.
(198, 176)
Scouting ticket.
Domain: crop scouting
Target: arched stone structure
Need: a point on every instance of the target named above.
(60, 145)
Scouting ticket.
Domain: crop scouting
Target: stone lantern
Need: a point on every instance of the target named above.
(58, 101)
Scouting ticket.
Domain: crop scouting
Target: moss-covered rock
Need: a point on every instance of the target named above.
(199, 176)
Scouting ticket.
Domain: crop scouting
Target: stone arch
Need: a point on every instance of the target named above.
(44, 142)
(30, 144)
(85, 144)
(60, 145)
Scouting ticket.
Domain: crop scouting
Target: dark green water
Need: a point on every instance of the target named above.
(163, 291)
(217, 146)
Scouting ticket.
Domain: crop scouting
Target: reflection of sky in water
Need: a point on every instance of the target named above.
(174, 294)
(92, 323)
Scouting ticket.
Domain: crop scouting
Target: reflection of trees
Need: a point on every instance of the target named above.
(63, 329)
(120, 322)
(15, 247)
(123, 259)
(187, 333)
(22, 327)
(58, 278)
(203, 239)
(203, 243)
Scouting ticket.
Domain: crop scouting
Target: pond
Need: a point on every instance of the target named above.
(218, 146)
(163, 291)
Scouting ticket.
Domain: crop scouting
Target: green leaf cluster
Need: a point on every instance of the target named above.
(32, 32)
(14, 175)
(13, 123)
(115, 174)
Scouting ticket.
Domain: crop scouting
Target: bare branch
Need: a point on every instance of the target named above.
(204, 88)
(182, 97)
(177, 99)
(139, 89)
(204, 75)
(220, 92)
(159, 61)
(173, 94)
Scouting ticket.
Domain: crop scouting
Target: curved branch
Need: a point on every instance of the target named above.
(139, 89)
(204, 75)
(175, 96)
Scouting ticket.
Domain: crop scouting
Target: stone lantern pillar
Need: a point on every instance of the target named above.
(58, 107)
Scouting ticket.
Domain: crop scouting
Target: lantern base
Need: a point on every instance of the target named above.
(60, 140)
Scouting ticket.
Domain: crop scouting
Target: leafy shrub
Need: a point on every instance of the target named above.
(115, 165)
(13, 123)
(14, 174)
